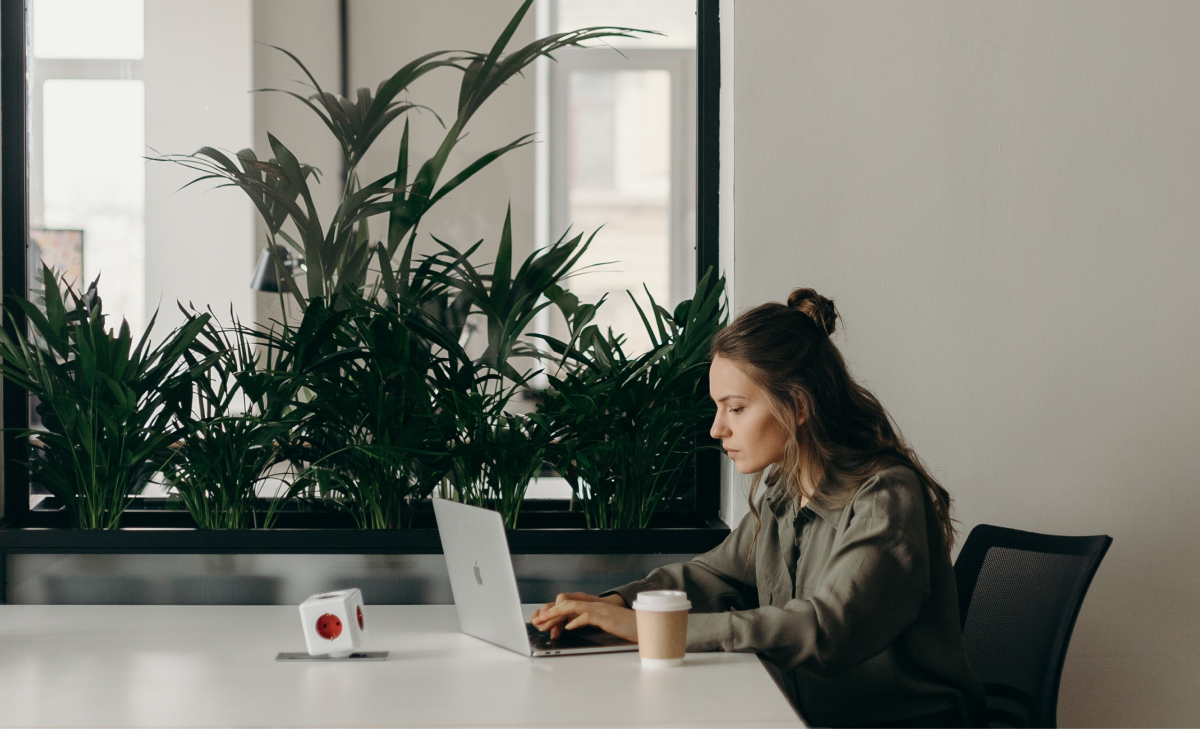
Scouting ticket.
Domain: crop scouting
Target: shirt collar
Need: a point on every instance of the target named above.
(779, 499)
(831, 516)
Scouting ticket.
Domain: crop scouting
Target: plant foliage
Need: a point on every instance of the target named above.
(375, 443)
(233, 435)
(626, 426)
(338, 254)
(110, 408)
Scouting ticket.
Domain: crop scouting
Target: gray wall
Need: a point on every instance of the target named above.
(385, 35)
(287, 579)
(309, 29)
(1003, 198)
(198, 241)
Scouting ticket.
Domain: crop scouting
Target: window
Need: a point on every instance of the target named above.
(87, 139)
(622, 140)
(112, 82)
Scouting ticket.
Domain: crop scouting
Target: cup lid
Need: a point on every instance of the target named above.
(662, 601)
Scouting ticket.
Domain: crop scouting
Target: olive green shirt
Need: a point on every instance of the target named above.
(851, 604)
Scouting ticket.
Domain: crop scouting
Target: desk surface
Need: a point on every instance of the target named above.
(175, 666)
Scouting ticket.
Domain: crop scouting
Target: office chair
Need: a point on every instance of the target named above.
(1018, 596)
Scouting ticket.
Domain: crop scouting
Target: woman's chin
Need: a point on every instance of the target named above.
(746, 468)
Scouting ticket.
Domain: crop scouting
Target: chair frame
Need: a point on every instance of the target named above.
(1043, 712)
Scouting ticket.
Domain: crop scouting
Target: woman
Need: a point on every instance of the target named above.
(844, 581)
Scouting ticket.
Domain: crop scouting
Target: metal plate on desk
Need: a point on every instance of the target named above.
(359, 656)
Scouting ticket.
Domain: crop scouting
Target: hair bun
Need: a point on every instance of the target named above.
(818, 308)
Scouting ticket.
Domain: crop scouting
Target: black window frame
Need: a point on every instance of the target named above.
(14, 229)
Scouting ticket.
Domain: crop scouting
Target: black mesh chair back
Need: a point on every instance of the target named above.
(1018, 596)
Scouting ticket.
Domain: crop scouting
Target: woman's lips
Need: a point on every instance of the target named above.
(731, 453)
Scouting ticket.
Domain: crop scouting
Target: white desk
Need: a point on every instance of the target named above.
(200, 666)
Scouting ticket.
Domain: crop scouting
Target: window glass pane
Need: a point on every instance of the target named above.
(675, 19)
(114, 81)
(88, 29)
(619, 130)
(93, 141)
(93, 123)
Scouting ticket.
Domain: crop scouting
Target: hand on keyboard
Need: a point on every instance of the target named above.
(576, 610)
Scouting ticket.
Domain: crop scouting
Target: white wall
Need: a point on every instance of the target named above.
(1003, 198)
(198, 241)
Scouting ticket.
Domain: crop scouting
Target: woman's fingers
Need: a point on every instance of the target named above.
(564, 606)
(550, 618)
(542, 613)
(551, 615)
(576, 596)
(569, 613)
(556, 614)
(581, 620)
(538, 613)
(610, 618)
(551, 623)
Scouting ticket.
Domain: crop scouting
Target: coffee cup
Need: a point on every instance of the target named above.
(662, 627)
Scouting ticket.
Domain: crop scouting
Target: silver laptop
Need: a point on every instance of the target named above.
(485, 588)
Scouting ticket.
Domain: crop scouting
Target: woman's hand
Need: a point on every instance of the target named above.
(576, 609)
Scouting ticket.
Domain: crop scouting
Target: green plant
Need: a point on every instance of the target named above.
(384, 402)
(221, 457)
(338, 255)
(510, 300)
(626, 427)
(389, 402)
(110, 409)
(496, 453)
(368, 425)
(218, 466)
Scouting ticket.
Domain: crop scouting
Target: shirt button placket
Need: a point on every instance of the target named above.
(797, 551)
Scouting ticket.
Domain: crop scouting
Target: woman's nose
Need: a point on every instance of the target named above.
(719, 429)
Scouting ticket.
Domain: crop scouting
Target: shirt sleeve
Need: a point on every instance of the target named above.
(873, 587)
(718, 580)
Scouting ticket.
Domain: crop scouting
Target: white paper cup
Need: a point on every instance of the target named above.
(662, 627)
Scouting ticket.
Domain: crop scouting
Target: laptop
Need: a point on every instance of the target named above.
(485, 588)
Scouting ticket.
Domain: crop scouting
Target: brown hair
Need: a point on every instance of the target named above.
(846, 435)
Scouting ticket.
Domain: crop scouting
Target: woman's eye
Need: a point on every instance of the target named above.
(735, 410)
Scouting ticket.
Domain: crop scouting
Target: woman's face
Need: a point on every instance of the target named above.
(748, 432)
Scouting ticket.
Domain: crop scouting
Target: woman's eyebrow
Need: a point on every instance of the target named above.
(730, 397)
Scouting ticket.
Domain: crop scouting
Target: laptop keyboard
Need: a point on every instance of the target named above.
(585, 637)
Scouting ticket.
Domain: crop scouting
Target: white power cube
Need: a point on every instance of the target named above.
(334, 624)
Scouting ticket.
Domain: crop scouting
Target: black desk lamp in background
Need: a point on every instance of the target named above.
(266, 278)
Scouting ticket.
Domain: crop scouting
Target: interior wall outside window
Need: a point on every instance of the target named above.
(113, 82)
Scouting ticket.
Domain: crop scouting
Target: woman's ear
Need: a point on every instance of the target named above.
(801, 415)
